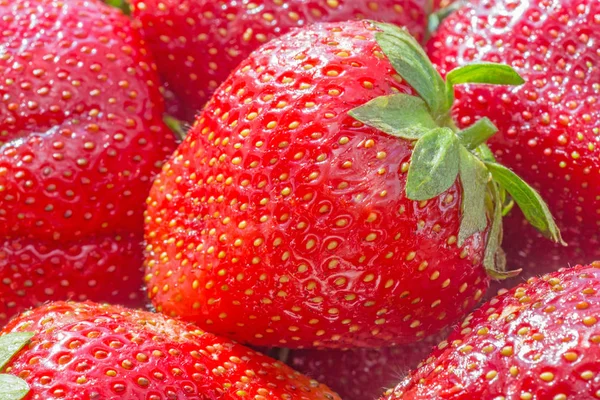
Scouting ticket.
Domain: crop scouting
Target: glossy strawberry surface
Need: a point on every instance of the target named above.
(538, 341)
(549, 127)
(199, 42)
(90, 351)
(81, 137)
(281, 220)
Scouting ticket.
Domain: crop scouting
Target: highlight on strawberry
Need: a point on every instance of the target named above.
(324, 197)
(91, 351)
(537, 341)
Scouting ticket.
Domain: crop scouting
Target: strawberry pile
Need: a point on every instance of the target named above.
(303, 178)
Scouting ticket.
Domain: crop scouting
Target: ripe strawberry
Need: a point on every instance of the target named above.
(550, 125)
(81, 136)
(538, 341)
(197, 43)
(361, 374)
(89, 351)
(283, 220)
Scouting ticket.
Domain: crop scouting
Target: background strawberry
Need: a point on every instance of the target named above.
(537, 341)
(197, 43)
(283, 220)
(81, 137)
(90, 351)
(549, 127)
(360, 374)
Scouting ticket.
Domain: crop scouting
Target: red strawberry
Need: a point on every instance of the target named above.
(538, 341)
(81, 136)
(88, 351)
(549, 126)
(361, 374)
(283, 220)
(197, 43)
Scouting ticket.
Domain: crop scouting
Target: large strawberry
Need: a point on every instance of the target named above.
(538, 341)
(550, 126)
(81, 351)
(199, 42)
(81, 137)
(360, 374)
(283, 220)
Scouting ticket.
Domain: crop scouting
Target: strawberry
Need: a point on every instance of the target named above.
(197, 43)
(537, 341)
(360, 374)
(549, 127)
(282, 219)
(81, 137)
(89, 351)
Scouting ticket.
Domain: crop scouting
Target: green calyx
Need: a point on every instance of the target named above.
(442, 153)
(12, 387)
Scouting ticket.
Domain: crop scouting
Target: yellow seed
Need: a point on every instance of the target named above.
(547, 376)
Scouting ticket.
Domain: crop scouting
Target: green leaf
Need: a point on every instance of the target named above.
(485, 154)
(399, 115)
(12, 387)
(483, 72)
(494, 236)
(508, 207)
(412, 64)
(176, 126)
(435, 19)
(434, 164)
(529, 201)
(477, 134)
(120, 4)
(474, 178)
(11, 343)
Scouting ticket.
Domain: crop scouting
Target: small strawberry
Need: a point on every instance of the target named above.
(81, 137)
(360, 374)
(537, 341)
(197, 43)
(282, 220)
(550, 126)
(80, 351)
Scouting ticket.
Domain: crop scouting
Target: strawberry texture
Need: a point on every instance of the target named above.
(537, 341)
(83, 351)
(197, 43)
(81, 138)
(282, 221)
(548, 127)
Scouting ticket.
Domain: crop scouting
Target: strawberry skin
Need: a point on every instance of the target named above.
(361, 374)
(282, 221)
(549, 127)
(537, 341)
(100, 268)
(90, 351)
(81, 137)
(197, 43)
